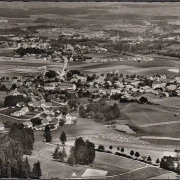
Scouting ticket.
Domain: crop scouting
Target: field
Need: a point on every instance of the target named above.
(16, 66)
(160, 65)
(145, 173)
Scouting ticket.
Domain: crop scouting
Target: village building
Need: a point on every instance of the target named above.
(49, 86)
(1, 126)
(66, 86)
(22, 112)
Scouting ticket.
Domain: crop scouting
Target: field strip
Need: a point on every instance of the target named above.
(20, 119)
(133, 170)
(159, 124)
(162, 138)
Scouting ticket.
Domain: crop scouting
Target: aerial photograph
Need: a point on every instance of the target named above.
(89, 90)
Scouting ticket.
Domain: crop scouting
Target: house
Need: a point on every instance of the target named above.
(67, 86)
(173, 155)
(100, 79)
(28, 124)
(34, 104)
(22, 112)
(171, 87)
(158, 84)
(70, 119)
(49, 86)
(1, 126)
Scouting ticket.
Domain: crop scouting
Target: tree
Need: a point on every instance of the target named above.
(73, 103)
(143, 100)
(48, 137)
(61, 158)
(98, 116)
(122, 150)
(14, 86)
(51, 74)
(39, 170)
(149, 159)
(82, 111)
(84, 152)
(27, 167)
(137, 154)
(132, 153)
(110, 147)
(56, 153)
(101, 147)
(63, 137)
(118, 148)
(64, 154)
(47, 134)
(34, 171)
(90, 150)
(157, 161)
(71, 158)
(11, 100)
(65, 110)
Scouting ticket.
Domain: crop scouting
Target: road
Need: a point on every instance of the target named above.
(64, 67)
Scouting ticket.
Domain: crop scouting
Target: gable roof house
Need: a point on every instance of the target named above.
(67, 86)
(1, 126)
(49, 86)
(22, 112)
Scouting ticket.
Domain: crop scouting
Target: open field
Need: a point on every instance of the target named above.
(160, 65)
(140, 114)
(145, 173)
(16, 66)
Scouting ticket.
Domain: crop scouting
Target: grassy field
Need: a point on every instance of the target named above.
(43, 153)
(145, 173)
(140, 114)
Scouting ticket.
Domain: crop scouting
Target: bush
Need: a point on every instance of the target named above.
(101, 147)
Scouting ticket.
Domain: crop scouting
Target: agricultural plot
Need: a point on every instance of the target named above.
(145, 173)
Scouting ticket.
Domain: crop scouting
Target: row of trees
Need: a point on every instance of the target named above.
(132, 154)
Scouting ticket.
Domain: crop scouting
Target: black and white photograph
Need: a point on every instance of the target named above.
(89, 90)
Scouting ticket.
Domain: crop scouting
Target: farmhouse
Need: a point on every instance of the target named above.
(28, 124)
(49, 86)
(168, 154)
(22, 112)
(67, 86)
(1, 126)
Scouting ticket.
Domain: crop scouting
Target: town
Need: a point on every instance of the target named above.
(85, 96)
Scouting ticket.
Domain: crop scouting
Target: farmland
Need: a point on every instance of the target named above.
(126, 61)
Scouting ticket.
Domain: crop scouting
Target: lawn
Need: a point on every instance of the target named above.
(140, 114)
(115, 164)
(168, 130)
(50, 168)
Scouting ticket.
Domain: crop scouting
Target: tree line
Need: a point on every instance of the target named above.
(13, 146)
